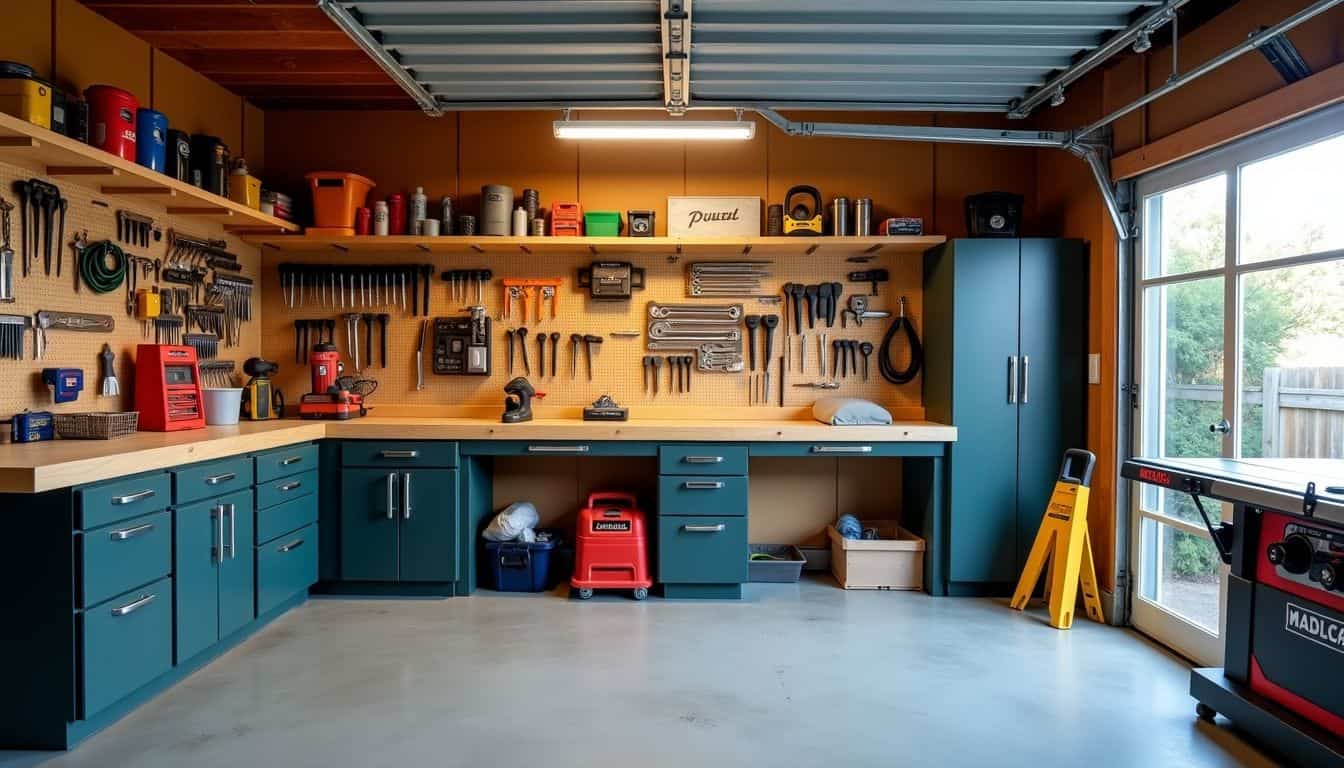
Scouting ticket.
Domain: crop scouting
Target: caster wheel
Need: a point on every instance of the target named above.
(585, 593)
(641, 593)
(1205, 712)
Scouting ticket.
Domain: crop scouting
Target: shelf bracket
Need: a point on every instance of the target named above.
(18, 142)
(82, 170)
(192, 210)
(110, 190)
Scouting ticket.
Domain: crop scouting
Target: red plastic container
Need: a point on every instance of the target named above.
(112, 120)
(396, 214)
(611, 549)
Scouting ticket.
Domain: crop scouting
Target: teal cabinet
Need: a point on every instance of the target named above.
(286, 567)
(428, 529)
(702, 495)
(284, 489)
(702, 550)
(127, 642)
(399, 525)
(701, 531)
(124, 555)
(282, 462)
(369, 525)
(215, 573)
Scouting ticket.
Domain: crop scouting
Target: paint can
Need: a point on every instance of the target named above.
(429, 227)
(363, 221)
(151, 145)
(112, 120)
(496, 207)
(380, 216)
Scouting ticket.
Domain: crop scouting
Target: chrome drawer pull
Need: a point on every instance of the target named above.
(389, 454)
(134, 605)
(406, 495)
(291, 486)
(842, 449)
(557, 449)
(130, 533)
(233, 531)
(703, 528)
(702, 459)
(218, 514)
(217, 479)
(131, 498)
(290, 460)
(290, 547)
(702, 485)
(391, 495)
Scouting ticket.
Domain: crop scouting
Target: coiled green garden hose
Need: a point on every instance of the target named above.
(95, 271)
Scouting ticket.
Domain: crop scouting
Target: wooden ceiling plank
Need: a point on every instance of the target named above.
(173, 18)
(334, 40)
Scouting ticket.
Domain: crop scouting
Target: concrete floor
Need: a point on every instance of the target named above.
(795, 675)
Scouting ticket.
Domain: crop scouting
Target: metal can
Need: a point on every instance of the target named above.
(396, 213)
(531, 202)
(446, 220)
(380, 217)
(863, 216)
(840, 221)
(774, 220)
(538, 227)
(466, 225)
(429, 227)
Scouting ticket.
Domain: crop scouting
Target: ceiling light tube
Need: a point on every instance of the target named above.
(656, 130)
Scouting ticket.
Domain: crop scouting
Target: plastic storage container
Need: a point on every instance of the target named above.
(222, 405)
(112, 120)
(516, 566)
(785, 565)
(335, 197)
(602, 223)
(151, 139)
(23, 94)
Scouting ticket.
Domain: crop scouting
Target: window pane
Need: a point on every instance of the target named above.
(1187, 228)
(1290, 203)
(1181, 573)
(1292, 362)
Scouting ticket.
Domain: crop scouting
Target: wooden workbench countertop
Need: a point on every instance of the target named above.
(38, 467)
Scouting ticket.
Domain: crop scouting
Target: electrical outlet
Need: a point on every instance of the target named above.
(1094, 369)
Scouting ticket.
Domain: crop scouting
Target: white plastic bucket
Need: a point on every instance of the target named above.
(222, 405)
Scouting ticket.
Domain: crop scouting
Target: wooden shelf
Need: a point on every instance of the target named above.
(48, 153)
(749, 247)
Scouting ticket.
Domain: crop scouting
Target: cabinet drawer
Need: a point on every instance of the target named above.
(286, 567)
(701, 495)
(381, 453)
(120, 499)
(282, 518)
(215, 478)
(286, 461)
(127, 554)
(128, 641)
(560, 448)
(283, 489)
(702, 459)
(702, 550)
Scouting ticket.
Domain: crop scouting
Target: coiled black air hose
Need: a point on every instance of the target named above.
(884, 364)
(94, 269)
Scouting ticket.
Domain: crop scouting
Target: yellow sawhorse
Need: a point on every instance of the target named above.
(1064, 546)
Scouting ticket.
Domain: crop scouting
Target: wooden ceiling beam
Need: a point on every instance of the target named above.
(235, 80)
(176, 18)
(212, 63)
(335, 40)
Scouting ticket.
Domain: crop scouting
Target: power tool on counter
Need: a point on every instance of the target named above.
(518, 404)
(799, 219)
(334, 396)
(261, 400)
(31, 427)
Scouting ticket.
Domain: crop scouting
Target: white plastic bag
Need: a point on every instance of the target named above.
(517, 521)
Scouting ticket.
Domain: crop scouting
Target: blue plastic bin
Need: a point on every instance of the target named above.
(518, 567)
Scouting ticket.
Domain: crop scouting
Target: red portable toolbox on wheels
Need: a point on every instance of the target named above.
(611, 550)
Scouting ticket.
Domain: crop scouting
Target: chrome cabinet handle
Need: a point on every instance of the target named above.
(217, 479)
(702, 459)
(391, 496)
(130, 533)
(290, 460)
(1026, 379)
(1012, 379)
(557, 449)
(390, 454)
(134, 605)
(218, 513)
(842, 449)
(291, 486)
(406, 495)
(702, 485)
(704, 528)
(290, 547)
(131, 498)
(233, 531)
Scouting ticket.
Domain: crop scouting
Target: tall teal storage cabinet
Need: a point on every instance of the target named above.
(1005, 339)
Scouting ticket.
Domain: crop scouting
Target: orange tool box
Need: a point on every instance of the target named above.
(611, 550)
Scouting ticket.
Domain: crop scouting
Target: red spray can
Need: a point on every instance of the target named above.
(396, 214)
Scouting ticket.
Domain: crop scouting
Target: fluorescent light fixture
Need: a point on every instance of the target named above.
(656, 130)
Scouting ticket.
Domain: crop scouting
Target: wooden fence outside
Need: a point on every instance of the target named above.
(1302, 408)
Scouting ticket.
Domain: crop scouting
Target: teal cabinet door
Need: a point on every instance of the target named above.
(237, 569)
(196, 581)
(428, 512)
(369, 504)
(702, 550)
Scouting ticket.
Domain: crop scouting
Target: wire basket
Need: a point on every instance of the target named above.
(96, 426)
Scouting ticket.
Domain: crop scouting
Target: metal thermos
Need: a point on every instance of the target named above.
(774, 220)
(419, 209)
(496, 209)
(380, 215)
(446, 220)
(840, 222)
(531, 202)
(863, 216)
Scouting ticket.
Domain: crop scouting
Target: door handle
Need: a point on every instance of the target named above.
(391, 496)
(703, 528)
(290, 460)
(391, 454)
(1223, 427)
(557, 449)
(702, 459)
(131, 498)
(702, 485)
(233, 531)
(406, 495)
(218, 512)
(130, 533)
(217, 479)
(1012, 379)
(1026, 379)
(134, 605)
(290, 547)
(842, 449)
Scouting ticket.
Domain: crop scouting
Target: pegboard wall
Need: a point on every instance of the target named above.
(617, 362)
(97, 214)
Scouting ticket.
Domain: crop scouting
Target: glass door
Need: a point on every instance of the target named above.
(1240, 309)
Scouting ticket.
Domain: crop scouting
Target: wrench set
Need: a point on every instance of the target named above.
(726, 278)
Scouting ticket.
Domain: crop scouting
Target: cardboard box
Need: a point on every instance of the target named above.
(703, 216)
(895, 561)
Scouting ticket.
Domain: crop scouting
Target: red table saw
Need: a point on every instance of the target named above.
(1282, 679)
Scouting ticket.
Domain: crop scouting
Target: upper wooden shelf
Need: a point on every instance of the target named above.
(599, 246)
(48, 153)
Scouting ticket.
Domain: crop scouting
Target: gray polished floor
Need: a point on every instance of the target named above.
(804, 675)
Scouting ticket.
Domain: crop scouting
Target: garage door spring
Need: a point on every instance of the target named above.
(95, 270)
(884, 363)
